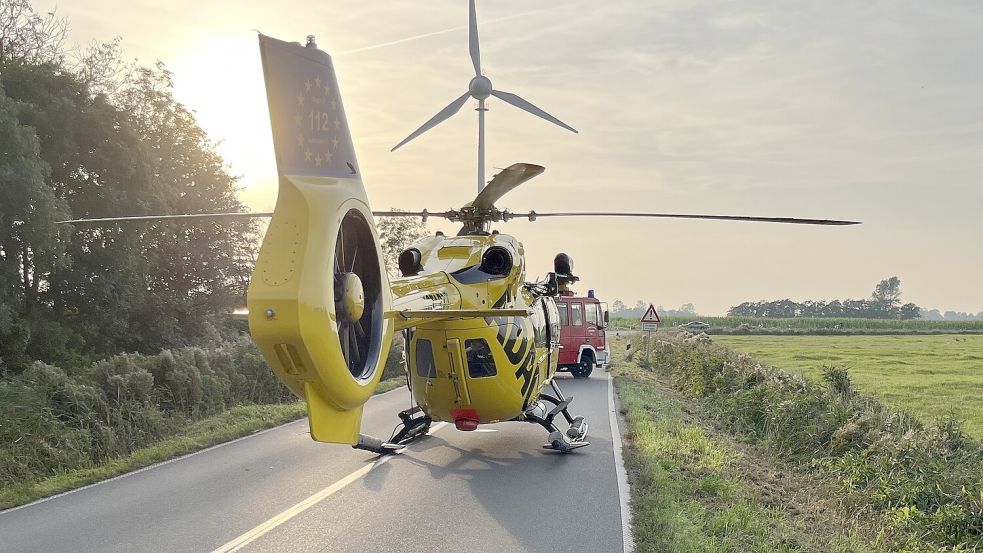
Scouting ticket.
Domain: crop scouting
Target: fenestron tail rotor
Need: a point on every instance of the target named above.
(357, 293)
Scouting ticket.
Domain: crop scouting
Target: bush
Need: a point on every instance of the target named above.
(54, 420)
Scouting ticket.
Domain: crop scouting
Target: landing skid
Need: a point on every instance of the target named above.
(410, 428)
(540, 413)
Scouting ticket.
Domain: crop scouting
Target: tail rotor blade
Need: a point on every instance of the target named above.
(527, 106)
(473, 41)
(443, 114)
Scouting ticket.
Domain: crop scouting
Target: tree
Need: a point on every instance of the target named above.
(909, 311)
(26, 37)
(128, 287)
(395, 235)
(887, 290)
(886, 299)
(30, 243)
(618, 306)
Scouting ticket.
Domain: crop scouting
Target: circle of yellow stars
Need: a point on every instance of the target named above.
(317, 121)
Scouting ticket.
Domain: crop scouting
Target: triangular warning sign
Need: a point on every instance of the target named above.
(651, 316)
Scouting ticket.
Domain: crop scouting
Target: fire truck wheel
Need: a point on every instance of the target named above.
(585, 367)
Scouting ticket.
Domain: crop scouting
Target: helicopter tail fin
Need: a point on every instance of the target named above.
(319, 292)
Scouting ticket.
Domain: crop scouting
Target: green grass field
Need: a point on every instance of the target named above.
(929, 376)
(808, 324)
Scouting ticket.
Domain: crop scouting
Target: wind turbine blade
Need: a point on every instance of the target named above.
(504, 182)
(527, 106)
(187, 217)
(473, 40)
(443, 114)
(793, 220)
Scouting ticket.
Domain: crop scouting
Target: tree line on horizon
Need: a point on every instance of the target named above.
(884, 303)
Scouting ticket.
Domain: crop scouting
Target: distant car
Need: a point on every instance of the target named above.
(695, 325)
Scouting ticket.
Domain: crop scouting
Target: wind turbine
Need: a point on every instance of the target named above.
(480, 88)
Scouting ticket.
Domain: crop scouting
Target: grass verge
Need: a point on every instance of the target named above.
(229, 425)
(919, 485)
(694, 491)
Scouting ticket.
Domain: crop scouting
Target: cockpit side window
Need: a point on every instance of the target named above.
(425, 365)
(480, 360)
(540, 323)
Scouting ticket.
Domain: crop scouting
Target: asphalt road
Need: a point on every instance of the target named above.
(494, 489)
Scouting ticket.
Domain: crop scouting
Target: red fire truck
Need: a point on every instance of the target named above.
(582, 322)
(582, 342)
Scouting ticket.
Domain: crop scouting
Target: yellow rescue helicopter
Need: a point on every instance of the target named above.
(481, 340)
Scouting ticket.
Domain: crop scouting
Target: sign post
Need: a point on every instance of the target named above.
(650, 323)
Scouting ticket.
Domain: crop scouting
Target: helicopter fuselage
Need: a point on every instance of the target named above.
(472, 370)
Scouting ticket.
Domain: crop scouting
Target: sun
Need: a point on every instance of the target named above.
(221, 81)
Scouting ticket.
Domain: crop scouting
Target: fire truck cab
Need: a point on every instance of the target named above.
(582, 341)
(583, 344)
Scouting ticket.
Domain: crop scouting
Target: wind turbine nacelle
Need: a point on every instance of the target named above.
(480, 87)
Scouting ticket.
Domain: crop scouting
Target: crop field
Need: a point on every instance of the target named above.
(928, 376)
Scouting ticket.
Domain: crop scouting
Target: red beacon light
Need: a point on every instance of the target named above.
(465, 419)
(466, 425)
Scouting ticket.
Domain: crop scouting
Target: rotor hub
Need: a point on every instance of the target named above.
(352, 302)
(480, 87)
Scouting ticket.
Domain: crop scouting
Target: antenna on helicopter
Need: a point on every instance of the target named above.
(480, 88)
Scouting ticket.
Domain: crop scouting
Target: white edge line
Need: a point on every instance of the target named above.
(262, 529)
(162, 463)
(624, 493)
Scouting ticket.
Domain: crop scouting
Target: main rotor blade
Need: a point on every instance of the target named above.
(473, 40)
(527, 106)
(424, 214)
(183, 217)
(504, 182)
(533, 215)
(451, 109)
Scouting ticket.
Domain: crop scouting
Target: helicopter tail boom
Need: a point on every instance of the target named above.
(319, 292)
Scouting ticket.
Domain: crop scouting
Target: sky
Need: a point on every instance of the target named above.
(869, 111)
